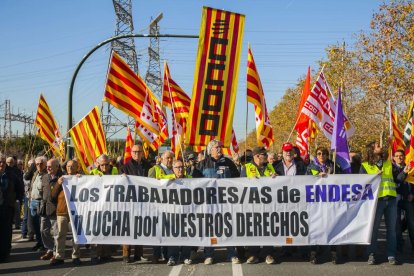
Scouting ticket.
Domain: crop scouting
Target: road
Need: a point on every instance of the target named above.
(24, 261)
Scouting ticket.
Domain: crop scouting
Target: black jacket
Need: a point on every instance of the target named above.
(300, 167)
(221, 168)
(132, 167)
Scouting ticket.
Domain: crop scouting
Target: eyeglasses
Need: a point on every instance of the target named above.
(321, 153)
(38, 164)
(179, 167)
(263, 153)
(136, 151)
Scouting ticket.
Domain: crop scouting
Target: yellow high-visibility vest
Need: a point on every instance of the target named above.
(387, 186)
(252, 171)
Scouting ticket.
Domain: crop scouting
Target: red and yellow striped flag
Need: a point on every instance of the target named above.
(124, 89)
(176, 99)
(255, 95)
(48, 129)
(215, 78)
(88, 139)
(397, 140)
(129, 143)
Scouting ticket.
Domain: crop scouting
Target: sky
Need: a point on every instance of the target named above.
(43, 41)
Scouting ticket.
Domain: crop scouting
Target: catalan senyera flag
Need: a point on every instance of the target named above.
(129, 143)
(47, 128)
(215, 78)
(176, 99)
(127, 91)
(396, 136)
(255, 95)
(88, 139)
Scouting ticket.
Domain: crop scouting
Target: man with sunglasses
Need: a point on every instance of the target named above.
(259, 167)
(139, 167)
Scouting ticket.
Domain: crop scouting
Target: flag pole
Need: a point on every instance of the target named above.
(245, 142)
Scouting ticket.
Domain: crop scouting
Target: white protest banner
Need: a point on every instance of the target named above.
(298, 210)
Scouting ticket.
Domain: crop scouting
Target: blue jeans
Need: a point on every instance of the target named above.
(388, 208)
(34, 205)
(25, 227)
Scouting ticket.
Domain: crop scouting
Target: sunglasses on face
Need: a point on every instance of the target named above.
(321, 153)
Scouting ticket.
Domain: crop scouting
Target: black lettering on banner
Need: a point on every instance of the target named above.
(147, 226)
(233, 198)
(266, 224)
(304, 230)
(173, 197)
(185, 196)
(228, 231)
(241, 228)
(192, 228)
(88, 224)
(205, 119)
(175, 225)
(84, 195)
(78, 223)
(222, 195)
(249, 224)
(125, 231)
(211, 195)
(198, 196)
(154, 226)
(108, 193)
(209, 225)
(294, 195)
(94, 195)
(254, 196)
(284, 224)
(218, 224)
(73, 197)
(142, 194)
(131, 194)
(164, 196)
(266, 197)
(137, 228)
(154, 196)
(214, 41)
(282, 195)
(106, 220)
(96, 228)
(294, 224)
(257, 222)
(119, 193)
(116, 223)
(183, 225)
(200, 217)
(166, 224)
(274, 222)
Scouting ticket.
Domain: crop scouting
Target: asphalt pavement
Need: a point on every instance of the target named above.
(24, 261)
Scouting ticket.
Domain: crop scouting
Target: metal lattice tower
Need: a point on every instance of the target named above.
(8, 117)
(153, 76)
(126, 49)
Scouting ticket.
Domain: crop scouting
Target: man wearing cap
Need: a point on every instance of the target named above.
(289, 165)
(259, 167)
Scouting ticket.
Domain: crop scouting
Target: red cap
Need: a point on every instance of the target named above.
(287, 146)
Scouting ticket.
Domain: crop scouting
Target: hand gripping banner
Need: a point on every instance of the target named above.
(286, 210)
(215, 78)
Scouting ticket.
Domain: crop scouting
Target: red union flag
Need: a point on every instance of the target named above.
(215, 78)
(320, 107)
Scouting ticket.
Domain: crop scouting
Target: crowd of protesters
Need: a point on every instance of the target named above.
(32, 199)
